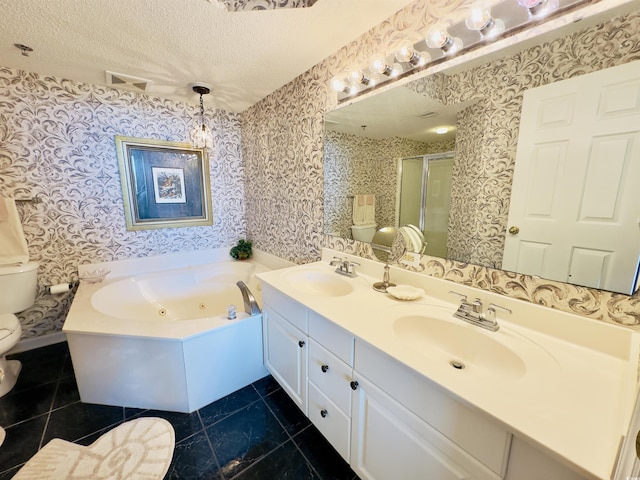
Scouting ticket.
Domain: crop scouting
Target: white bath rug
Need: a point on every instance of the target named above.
(139, 449)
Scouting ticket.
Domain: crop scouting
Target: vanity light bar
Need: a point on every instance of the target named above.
(445, 40)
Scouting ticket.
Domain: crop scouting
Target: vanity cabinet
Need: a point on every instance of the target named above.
(388, 420)
(383, 418)
(285, 343)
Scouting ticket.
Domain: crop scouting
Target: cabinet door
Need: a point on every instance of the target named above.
(388, 441)
(285, 356)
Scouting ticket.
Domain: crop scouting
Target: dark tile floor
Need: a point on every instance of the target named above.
(254, 433)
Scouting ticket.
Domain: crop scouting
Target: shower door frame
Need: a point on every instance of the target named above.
(425, 177)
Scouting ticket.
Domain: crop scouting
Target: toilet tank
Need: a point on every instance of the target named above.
(18, 284)
(363, 233)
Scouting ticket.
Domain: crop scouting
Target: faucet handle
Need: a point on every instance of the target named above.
(349, 267)
(493, 306)
(491, 311)
(336, 261)
(463, 298)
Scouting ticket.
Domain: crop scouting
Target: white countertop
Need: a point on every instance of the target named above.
(576, 397)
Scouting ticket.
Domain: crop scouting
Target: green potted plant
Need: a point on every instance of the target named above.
(242, 250)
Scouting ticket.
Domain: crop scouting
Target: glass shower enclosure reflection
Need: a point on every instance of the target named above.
(424, 198)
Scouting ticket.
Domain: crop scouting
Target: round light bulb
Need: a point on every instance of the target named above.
(405, 53)
(539, 8)
(478, 19)
(530, 3)
(338, 84)
(378, 64)
(497, 29)
(358, 77)
(455, 47)
(396, 69)
(437, 37)
(481, 21)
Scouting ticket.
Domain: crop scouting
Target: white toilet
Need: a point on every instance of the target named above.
(363, 233)
(18, 284)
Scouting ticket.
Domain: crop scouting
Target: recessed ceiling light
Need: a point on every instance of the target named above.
(441, 130)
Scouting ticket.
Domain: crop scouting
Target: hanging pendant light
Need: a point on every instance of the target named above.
(201, 136)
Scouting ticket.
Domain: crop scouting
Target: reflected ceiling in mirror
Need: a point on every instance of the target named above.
(486, 102)
(400, 112)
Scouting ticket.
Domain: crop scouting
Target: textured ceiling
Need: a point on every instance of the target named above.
(243, 55)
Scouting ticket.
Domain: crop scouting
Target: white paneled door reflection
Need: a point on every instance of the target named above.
(575, 203)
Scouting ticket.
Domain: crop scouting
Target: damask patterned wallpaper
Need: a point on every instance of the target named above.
(57, 143)
(282, 143)
(355, 165)
(242, 5)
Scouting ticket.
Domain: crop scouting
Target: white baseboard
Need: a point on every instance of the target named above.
(37, 342)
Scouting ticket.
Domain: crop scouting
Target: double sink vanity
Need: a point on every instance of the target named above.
(403, 389)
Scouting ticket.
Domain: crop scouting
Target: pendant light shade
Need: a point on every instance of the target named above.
(201, 136)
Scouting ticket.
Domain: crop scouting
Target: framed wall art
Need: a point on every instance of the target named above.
(164, 184)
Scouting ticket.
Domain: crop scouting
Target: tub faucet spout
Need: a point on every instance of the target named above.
(250, 304)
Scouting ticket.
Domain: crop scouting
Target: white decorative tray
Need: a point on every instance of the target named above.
(405, 292)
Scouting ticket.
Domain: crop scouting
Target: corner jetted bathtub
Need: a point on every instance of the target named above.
(155, 333)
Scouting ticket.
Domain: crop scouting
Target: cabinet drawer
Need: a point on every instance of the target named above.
(330, 420)
(475, 432)
(294, 312)
(331, 375)
(334, 338)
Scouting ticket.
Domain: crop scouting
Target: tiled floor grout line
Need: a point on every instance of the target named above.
(255, 462)
(213, 451)
(302, 453)
(53, 401)
(291, 438)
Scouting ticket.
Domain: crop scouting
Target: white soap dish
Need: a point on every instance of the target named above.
(405, 292)
(94, 276)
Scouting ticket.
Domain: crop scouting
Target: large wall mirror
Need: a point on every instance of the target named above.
(501, 145)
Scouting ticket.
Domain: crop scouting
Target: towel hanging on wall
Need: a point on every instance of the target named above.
(364, 209)
(13, 246)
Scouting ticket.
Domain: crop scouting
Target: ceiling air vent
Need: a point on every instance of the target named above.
(427, 115)
(121, 80)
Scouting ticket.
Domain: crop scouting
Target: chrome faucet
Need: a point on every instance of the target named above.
(345, 267)
(472, 312)
(250, 304)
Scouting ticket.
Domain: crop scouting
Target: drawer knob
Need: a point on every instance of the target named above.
(323, 413)
(324, 368)
(301, 343)
(353, 385)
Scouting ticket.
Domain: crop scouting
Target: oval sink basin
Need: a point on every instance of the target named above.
(462, 348)
(319, 283)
